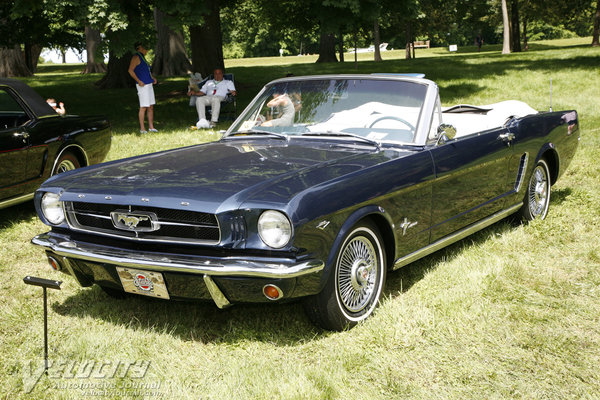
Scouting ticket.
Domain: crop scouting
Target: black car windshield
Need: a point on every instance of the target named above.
(381, 110)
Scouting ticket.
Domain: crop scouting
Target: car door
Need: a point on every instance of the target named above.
(471, 175)
(14, 145)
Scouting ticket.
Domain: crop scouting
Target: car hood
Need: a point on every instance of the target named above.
(218, 176)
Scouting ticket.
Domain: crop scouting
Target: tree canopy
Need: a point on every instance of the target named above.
(195, 35)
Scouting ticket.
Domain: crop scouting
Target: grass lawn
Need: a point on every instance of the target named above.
(511, 312)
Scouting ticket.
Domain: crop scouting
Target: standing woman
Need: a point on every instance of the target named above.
(140, 72)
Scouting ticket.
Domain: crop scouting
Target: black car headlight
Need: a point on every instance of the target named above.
(52, 208)
(274, 229)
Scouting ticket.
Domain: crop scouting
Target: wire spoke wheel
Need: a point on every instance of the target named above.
(355, 283)
(357, 274)
(66, 162)
(537, 198)
(538, 192)
(64, 166)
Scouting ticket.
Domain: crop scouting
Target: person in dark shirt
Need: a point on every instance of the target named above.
(140, 72)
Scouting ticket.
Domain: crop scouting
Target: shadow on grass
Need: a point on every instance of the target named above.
(13, 215)
(405, 278)
(283, 324)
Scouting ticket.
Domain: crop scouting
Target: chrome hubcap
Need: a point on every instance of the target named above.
(64, 166)
(357, 274)
(538, 192)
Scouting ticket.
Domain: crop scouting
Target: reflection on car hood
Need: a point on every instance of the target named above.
(218, 176)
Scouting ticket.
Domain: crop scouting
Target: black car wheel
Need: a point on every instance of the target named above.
(353, 289)
(66, 162)
(537, 197)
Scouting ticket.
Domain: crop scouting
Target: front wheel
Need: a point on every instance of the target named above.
(537, 197)
(355, 285)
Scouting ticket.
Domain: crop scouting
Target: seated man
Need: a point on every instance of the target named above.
(212, 93)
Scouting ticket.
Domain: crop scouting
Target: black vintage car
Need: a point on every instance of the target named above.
(35, 142)
(319, 188)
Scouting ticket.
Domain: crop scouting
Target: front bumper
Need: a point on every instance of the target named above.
(258, 269)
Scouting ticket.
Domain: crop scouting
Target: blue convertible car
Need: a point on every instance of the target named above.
(321, 187)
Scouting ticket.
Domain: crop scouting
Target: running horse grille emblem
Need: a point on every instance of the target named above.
(134, 221)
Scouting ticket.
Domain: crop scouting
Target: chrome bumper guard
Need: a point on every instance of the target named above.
(205, 266)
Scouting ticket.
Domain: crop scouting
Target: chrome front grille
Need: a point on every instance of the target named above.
(168, 225)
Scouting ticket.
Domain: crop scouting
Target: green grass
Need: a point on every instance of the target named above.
(510, 312)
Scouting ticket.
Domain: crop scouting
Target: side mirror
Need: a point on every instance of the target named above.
(445, 133)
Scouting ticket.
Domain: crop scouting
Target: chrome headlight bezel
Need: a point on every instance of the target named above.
(52, 208)
(274, 229)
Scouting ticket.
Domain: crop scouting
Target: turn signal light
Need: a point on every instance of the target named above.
(54, 263)
(272, 292)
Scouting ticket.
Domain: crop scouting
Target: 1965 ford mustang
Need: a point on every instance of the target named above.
(318, 189)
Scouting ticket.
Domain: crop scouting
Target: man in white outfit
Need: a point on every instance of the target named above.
(212, 93)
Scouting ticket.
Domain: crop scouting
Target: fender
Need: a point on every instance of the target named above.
(357, 215)
(78, 152)
(553, 160)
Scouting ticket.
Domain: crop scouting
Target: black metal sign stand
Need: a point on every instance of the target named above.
(44, 283)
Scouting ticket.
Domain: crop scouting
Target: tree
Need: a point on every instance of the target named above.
(170, 57)
(596, 33)
(126, 22)
(12, 62)
(92, 45)
(207, 41)
(515, 33)
(506, 28)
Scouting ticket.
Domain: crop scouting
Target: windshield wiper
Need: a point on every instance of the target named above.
(342, 134)
(259, 132)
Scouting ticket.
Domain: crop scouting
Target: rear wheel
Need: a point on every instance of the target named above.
(66, 162)
(537, 197)
(355, 285)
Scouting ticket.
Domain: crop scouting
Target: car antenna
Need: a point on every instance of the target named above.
(550, 94)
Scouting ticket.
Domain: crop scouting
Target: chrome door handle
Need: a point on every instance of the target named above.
(507, 137)
(23, 135)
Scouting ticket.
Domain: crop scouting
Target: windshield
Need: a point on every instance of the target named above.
(375, 109)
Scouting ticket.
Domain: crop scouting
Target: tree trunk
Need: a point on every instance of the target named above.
(341, 46)
(376, 41)
(116, 74)
(596, 34)
(207, 42)
(32, 56)
(515, 26)
(408, 42)
(525, 40)
(12, 62)
(506, 28)
(355, 51)
(327, 47)
(170, 58)
(92, 41)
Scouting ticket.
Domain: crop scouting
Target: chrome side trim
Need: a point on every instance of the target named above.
(16, 200)
(269, 268)
(456, 236)
(521, 173)
(216, 293)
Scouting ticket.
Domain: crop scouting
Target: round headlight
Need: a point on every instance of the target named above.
(52, 208)
(274, 229)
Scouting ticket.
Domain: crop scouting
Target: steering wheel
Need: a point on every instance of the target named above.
(405, 122)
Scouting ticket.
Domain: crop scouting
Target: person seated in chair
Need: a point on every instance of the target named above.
(286, 110)
(212, 93)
